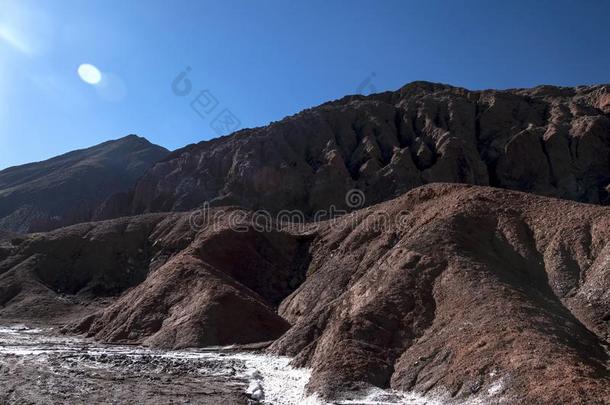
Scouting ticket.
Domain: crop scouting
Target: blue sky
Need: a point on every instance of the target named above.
(263, 60)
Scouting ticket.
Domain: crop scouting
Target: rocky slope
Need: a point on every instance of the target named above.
(547, 140)
(469, 290)
(461, 291)
(71, 188)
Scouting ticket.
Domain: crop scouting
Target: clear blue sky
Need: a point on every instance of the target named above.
(264, 60)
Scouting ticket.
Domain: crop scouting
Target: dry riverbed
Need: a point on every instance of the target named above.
(41, 366)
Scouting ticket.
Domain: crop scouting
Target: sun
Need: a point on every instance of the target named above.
(89, 73)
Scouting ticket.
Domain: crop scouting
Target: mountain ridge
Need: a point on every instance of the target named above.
(68, 188)
(546, 140)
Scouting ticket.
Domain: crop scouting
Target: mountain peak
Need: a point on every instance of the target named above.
(88, 176)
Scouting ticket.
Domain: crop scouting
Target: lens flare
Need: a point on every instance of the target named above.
(89, 73)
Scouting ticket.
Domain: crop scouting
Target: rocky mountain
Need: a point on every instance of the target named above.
(547, 140)
(70, 188)
(495, 290)
(464, 292)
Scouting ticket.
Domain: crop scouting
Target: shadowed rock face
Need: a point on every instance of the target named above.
(546, 140)
(73, 187)
(166, 284)
(81, 263)
(465, 290)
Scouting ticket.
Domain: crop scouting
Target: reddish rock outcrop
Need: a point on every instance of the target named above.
(551, 141)
(466, 290)
(155, 280)
(223, 288)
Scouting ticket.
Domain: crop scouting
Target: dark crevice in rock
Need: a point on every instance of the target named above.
(552, 176)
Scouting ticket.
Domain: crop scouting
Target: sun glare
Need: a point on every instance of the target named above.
(89, 73)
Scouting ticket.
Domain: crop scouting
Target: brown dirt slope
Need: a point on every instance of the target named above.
(223, 288)
(468, 290)
(47, 276)
(167, 285)
(460, 290)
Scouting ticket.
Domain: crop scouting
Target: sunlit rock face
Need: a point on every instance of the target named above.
(551, 141)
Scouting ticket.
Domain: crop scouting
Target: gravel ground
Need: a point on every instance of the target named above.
(37, 367)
